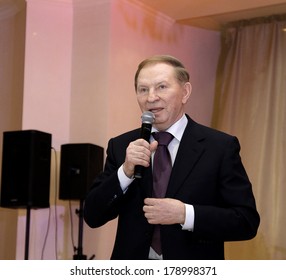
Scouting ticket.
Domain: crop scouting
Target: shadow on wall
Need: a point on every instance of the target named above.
(8, 233)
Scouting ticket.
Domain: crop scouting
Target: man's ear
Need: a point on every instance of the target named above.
(187, 92)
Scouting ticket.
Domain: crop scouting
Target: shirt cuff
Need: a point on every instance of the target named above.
(190, 218)
(123, 179)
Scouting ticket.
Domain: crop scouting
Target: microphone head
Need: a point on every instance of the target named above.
(148, 117)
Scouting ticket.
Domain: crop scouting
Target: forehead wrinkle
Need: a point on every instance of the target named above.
(154, 79)
(148, 83)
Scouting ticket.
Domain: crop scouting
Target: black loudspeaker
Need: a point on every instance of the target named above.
(80, 164)
(26, 166)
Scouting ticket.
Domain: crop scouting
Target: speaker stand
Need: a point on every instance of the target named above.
(27, 237)
(79, 212)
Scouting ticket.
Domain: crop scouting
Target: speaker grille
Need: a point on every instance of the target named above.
(26, 166)
(80, 164)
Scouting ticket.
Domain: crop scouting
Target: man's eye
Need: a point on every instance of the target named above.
(142, 90)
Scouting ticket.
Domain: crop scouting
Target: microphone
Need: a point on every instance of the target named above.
(147, 121)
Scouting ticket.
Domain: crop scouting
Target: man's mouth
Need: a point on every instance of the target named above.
(156, 110)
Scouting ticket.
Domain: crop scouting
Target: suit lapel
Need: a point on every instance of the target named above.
(189, 152)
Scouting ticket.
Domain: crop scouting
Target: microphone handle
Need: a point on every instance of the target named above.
(145, 134)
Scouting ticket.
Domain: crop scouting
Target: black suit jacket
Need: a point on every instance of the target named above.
(207, 173)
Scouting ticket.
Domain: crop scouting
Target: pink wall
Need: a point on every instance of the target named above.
(48, 61)
(81, 57)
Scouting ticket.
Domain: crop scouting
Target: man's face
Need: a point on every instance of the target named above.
(160, 92)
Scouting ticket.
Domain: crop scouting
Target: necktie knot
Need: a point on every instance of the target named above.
(163, 137)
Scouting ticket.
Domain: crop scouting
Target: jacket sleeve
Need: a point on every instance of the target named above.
(103, 200)
(235, 217)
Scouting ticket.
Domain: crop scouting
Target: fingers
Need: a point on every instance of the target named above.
(153, 146)
(153, 211)
(150, 201)
(137, 153)
(165, 211)
(150, 213)
(140, 152)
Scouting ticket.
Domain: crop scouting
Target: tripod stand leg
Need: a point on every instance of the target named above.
(79, 255)
(27, 237)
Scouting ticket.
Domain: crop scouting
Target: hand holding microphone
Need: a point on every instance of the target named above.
(147, 121)
(138, 152)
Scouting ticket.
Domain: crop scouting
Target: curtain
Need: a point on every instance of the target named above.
(12, 49)
(250, 102)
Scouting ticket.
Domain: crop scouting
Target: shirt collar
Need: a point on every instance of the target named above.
(177, 129)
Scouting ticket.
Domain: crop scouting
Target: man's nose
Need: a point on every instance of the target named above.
(152, 96)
